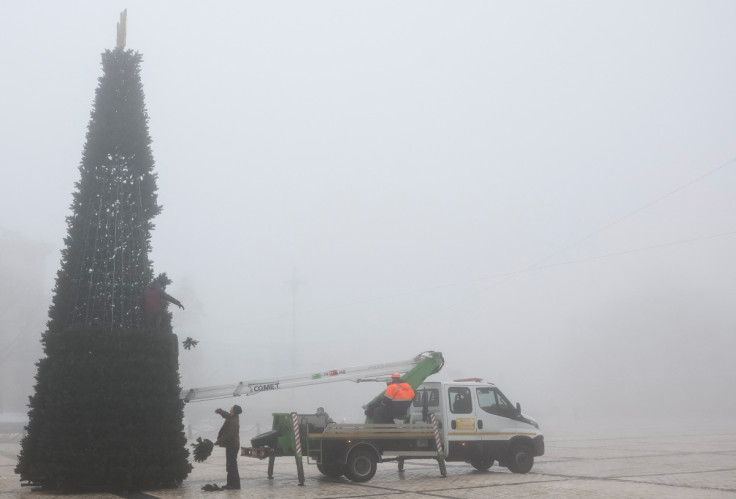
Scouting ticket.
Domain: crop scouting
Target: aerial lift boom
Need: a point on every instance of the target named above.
(423, 365)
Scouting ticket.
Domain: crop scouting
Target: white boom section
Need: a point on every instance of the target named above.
(370, 372)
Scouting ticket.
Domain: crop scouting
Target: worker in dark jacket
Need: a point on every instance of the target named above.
(229, 437)
(153, 304)
(394, 402)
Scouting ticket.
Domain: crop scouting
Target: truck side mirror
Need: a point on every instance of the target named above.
(518, 409)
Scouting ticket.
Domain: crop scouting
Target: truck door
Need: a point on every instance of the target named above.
(496, 422)
(461, 428)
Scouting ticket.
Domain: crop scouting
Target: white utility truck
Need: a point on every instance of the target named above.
(478, 424)
(463, 420)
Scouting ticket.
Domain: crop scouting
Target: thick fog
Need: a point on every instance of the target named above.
(545, 192)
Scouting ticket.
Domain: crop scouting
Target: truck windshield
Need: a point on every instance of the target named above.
(493, 401)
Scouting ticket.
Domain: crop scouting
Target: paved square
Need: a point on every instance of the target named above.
(628, 459)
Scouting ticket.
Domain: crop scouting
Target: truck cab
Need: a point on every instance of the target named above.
(478, 424)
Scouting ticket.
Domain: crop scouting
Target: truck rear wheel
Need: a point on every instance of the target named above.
(483, 464)
(520, 459)
(361, 465)
(332, 470)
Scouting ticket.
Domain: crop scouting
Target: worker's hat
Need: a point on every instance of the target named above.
(396, 375)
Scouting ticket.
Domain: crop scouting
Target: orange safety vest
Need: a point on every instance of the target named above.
(399, 391)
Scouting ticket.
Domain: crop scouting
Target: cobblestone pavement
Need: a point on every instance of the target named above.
(678, 460)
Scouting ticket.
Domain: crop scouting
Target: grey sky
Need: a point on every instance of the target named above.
(408, 160)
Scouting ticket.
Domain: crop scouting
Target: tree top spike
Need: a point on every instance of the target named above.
(121, 29)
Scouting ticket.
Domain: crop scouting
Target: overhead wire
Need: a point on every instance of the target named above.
(636, 250)
(538, 264)
(635, 212)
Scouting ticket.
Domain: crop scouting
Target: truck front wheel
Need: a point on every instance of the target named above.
(483, 464)
(361, 465)
(332, 470)
(520, 459)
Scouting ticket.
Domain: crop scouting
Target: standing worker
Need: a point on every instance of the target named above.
(229, 437)
(394, 402)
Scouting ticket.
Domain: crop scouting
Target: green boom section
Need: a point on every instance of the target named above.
(428, 363)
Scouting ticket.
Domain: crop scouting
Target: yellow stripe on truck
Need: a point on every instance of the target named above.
(495, 433)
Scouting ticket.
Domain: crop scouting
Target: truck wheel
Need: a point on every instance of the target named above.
(361, 465)
(483, 464)
(520, 459)
(333, 470)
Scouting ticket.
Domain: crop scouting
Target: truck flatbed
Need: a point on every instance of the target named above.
(374, 431)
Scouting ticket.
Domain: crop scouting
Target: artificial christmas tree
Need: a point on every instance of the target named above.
(106, 413)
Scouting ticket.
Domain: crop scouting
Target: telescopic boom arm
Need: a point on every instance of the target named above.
(371, 372)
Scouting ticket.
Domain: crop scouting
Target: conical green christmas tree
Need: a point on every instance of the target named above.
(106, 413)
